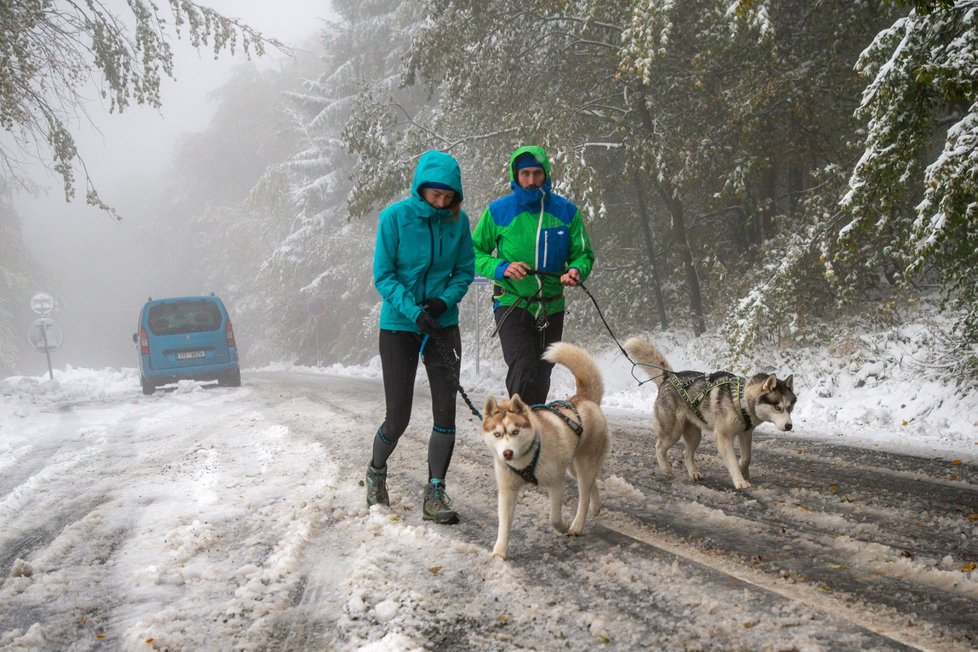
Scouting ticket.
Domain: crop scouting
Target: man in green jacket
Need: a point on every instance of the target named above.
(531, 243)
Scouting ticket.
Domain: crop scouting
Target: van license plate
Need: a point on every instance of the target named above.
(185, 355)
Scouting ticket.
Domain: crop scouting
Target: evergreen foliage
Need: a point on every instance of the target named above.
(766, 167)
(52, 50)
(913, 196)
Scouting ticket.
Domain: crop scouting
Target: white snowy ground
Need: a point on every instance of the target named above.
(183, 518)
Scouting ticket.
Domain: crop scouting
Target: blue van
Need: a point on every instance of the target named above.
(186, 338)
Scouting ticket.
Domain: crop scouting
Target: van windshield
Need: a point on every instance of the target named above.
(184, 317)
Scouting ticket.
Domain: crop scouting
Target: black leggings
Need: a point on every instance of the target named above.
(523, 344)
(399, 353)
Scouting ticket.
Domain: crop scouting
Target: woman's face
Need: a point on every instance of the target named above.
(437, 197)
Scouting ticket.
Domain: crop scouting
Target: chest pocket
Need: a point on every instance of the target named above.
(553, 248)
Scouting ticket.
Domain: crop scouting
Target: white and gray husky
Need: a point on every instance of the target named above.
(692, 401)
(541, 444)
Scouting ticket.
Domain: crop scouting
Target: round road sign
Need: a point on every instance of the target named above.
(42, 303)
(45, 335)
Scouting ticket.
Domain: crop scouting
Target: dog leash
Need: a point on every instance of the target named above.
(461, 390)
(608, 328)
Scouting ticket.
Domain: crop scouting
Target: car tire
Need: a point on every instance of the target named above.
(148, 387)
(233, 379)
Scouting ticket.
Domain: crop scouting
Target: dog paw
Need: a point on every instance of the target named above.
(499, 554)
(742, 484)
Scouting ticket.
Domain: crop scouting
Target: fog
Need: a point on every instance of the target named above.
(100, 270)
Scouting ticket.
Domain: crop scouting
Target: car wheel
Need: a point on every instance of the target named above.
(148, 387)
(233, 379)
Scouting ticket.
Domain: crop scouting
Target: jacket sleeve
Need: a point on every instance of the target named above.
(385, 268)
(581, 254)
(484, 243)
(464, 271)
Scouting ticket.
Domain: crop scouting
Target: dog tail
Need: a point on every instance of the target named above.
(590, 386)
(654, 364)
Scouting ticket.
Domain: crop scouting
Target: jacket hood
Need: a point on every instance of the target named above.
(437, 167)
(537, 152)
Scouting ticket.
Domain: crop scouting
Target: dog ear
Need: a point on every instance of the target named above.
(516, 404)
(490, 407)
(769, 383)
(789, 382)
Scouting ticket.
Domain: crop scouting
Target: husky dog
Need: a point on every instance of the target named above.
(541, 444)
(692, 401)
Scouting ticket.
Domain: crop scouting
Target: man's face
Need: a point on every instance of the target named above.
(530, 177)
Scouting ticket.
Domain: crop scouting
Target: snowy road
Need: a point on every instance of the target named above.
(233, 519)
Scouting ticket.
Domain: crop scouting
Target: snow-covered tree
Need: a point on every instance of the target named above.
(912, 194)
(16, 273)
(324, 254)
(52, 51)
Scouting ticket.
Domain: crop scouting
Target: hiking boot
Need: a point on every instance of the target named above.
(437, 506)
(377, 486)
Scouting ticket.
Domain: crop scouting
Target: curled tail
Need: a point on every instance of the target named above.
(650, 357)
(590, 386)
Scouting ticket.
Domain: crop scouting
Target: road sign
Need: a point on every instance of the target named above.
(45, 335)
(42, 303)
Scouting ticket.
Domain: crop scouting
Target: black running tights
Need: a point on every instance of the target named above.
(399, 362)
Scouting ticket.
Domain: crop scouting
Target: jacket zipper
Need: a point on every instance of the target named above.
(431, 261)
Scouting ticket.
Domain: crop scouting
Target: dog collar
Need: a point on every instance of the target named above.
(527, 472)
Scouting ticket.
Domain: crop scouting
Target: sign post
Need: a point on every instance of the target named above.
(316, 306)
(479, 281)
(44, 334)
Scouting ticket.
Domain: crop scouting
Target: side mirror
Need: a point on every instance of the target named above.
(135, 338)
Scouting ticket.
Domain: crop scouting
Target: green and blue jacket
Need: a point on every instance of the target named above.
(535, 226)
(423, 252)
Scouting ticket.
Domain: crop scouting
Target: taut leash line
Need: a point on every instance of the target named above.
(608, 328)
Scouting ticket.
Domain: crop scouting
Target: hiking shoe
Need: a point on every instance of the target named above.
(377, 486)
(437, 506)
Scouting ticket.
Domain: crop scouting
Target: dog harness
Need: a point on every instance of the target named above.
(694, 404)
(527, 472)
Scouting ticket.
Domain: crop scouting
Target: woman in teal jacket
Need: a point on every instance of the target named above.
(423, 266)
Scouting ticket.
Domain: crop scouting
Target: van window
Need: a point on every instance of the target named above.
(184, 317)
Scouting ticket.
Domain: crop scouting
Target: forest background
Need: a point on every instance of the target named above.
(771, 171)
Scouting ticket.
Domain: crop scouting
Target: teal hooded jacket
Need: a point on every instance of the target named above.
(423, 252)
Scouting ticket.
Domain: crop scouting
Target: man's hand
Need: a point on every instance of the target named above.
(517, 270)
(571, 277)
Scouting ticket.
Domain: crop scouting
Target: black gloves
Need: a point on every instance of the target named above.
(434, 307)
(427, 324)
